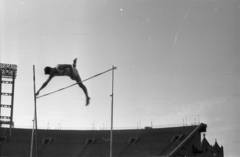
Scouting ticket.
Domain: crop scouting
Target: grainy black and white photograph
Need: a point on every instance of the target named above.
(119, 78)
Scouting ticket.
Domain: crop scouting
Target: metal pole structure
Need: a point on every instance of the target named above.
(31, 151)
(35, 111)
(111, 135)
(12, 102)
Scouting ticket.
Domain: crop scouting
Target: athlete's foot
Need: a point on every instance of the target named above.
(75, 62)
(87, 101)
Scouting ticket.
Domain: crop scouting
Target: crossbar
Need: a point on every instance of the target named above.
(77, 83)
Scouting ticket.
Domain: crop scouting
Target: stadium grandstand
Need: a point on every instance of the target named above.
(170, 141)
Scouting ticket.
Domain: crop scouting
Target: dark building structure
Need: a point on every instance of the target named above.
(211, 151)
(184, 141)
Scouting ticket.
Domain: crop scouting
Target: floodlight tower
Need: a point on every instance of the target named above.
(8, 73)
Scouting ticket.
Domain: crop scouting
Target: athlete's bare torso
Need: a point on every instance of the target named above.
(65, 70)
(60, 70)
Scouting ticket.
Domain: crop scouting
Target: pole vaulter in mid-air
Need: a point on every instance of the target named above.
(65, 70)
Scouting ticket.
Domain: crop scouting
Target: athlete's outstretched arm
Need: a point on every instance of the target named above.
(44, 84)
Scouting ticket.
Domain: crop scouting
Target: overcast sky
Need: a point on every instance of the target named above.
(177, 61)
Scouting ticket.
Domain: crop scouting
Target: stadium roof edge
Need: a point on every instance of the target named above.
(120, 128)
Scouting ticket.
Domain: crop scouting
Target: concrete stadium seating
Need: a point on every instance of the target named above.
(57, 143)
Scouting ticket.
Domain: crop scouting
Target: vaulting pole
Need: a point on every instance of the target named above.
(111, 135)
(0, 94)
(35, 111)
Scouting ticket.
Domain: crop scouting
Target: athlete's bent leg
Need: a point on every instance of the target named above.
(81, 85)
